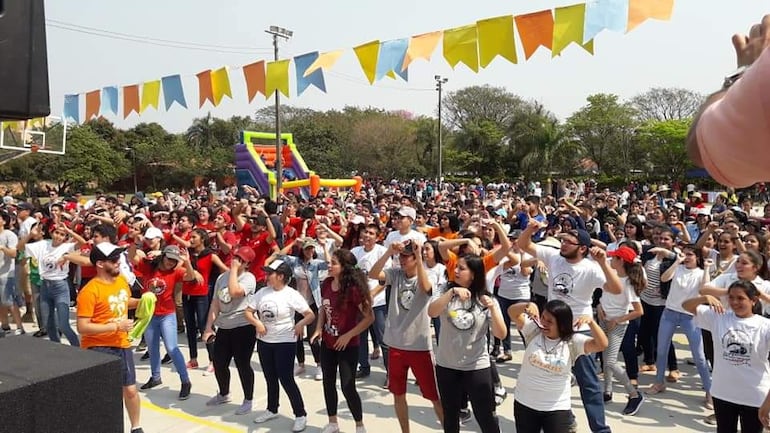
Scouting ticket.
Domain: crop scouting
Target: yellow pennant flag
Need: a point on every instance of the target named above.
(568, 25)
(150, 95)
(460, 45)
(324, 61)
(368, 54)
(277, 78)
(421, 47)
(496, 38)
(220, 85)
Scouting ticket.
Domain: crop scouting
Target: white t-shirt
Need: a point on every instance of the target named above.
(48, 256)
(367, 259)
(620, 304)
(725, 280)
(437, 277)
(684, 286)
(546, 369)
(276, 309)
(741, 371)
(26, 226)
(572, 283)
(396, 236)
(513, 284)
(8, 239)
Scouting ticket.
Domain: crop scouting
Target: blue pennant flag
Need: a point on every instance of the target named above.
(605, 14)
(72, 108)
(392, 54)
(301, 63)
(172, 91)
(110, 100)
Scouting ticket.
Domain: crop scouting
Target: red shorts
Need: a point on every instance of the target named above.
(421, 363)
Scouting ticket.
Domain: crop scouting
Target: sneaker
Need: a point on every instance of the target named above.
(246, 407)
(192, 364)
(299, 370)
(465, 416)
(385, 383)
(633, 405)
(300, 423)
(141, 347)
(500, 394)
(184, 393)
(360, 374)
(319, 374)
(573, 428)
(209, 370)
(219, 399)
(152, 383)
(360, 429)
(166, 359)
(146, 356)
(711, 419)
(137, 430)
(331, 428)
(504, 357)
(607, 397)
(7, 328)
(20, 331)
(265, 416)
(40, 333)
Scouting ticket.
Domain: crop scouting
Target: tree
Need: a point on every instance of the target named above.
(664, 142)
(475, 104)
(604, 129)
(384, 145)
(200, 134)
(666, 103)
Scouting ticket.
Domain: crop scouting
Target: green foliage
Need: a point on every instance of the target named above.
(664, 143)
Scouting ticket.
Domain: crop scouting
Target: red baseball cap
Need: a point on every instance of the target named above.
(627, 254)
(246, 254)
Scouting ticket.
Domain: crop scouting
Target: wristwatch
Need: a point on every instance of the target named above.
(734, 76)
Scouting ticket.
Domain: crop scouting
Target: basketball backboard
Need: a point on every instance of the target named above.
(44, 135)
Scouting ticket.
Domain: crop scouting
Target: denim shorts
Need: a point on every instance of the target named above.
(127, 358)
(9, 294)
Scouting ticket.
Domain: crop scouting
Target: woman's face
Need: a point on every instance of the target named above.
(274, 279)
(308, 252)
(195, 240)
(630, 231)
(666, 240)
(690, 259)
(335, 268)
(751, 242)
(745, 268)
(550, 327)
(428, 253)
(740, 303)
(463, 275)
(444, 221)
(203, 214)
(725, 242)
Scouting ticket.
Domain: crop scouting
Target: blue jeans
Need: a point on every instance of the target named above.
(380, 313)
(669, 321)
(164, 326)
(55, 306)
(590, 392)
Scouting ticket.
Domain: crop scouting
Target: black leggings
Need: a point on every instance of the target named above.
(315, 346)
(648, 336)
(728, 414)
(529, 420)
(345, 361)
(708, 346)
(477, 384)
(277, 360)
(235, 343)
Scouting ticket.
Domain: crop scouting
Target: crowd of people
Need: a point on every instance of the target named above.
(435, 275)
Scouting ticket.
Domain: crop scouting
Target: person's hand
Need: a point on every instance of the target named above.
(206, 335)
(153, 254)
(749, 48)
(261, 329)
(713, 226)
(611, 324)
(708, 263)
(316, 335)
(598, 254)
(764, 413)
(235, 263)
(299, 331)
(396, 247)
(487, 302)
(531, 311)
(583, 320)
(600, 312)
(125, 325)
(343, 341)
(715, 304)
(462, 293)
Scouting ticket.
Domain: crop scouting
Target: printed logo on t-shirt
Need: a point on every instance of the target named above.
(118, 304)
(268, 311)
(553, 363)
(330, 326)
(157, 286)
(224, 295)
(737, 347)
(461, 314)
(406, 295)
(563, 284)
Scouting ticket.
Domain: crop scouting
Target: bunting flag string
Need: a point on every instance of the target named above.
(475, 45)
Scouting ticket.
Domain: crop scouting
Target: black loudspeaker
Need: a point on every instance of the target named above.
(47, 387)
(23, 60)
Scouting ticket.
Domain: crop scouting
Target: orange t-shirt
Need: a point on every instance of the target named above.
(435, 232)
(104, 302)
(451, 264)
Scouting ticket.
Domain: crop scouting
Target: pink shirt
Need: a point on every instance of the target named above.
(734, 132)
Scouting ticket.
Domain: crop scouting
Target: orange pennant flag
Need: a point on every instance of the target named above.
(640, 11)
(255, 79)
(205, 91)
(421, 47)
(130, 100)
(535, 31)
(93, 103)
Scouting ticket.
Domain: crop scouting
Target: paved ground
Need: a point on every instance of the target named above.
(679, 409)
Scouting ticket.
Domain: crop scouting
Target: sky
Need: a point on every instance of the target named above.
(693, 51)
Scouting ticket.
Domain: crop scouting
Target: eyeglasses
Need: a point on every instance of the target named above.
(568, 242)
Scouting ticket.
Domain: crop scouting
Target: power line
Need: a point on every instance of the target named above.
(155, 41)
(354, 80)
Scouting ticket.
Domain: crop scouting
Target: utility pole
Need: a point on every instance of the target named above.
(440, 87)
(278, 32)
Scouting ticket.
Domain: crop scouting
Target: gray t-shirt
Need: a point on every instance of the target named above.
(232, 311)
(463, 338)
(407, 326)
(8, 239)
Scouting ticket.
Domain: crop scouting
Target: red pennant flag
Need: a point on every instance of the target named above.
(255, 78)
(535, 30)
(93, 103)
(205, 90)
(130, 100)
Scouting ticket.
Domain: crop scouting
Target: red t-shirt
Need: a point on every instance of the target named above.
(262, 248)
(162, 284)
(202, 263)
(87, 271)
(339, 318)
(231, 239)
(297, 223)
(209, 226)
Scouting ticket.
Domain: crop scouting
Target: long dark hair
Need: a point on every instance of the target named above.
(635, 271)
(434, 244)
(351, 278)
(478, 286)
(562, 313)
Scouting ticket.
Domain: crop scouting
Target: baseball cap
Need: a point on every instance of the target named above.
(279, 266)
(358, 219)
(246, 254)
(408, 247)
(583, 237)
(627, 254)
(308, 243)
(25, 206)
(172, 252)
(105, 251)
(226, 217)
(153, 233)
(408, 212)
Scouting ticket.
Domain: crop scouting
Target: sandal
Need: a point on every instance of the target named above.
(648, 368)
(503, 357)
(673, 376)
(656, 388)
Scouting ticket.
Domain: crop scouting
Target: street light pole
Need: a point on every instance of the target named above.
(278, 32)
(133, 161)
(440, 87)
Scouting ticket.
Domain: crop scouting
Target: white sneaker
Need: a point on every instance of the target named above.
(360, 429)
(209, 370)
(265, 416)
(300, 423)
(319, 374)
(299, 370)
(331, 428)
